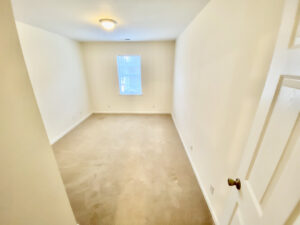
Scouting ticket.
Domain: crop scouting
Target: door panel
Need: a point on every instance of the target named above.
(270, 168)
(237, 218)
(276, 136)
(271, 190)
(294, 218)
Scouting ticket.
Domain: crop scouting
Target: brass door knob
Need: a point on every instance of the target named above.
(236, 183)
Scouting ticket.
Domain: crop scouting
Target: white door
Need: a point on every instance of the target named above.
(270, 168)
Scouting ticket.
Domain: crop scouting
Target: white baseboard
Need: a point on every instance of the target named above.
(130, 112)
(209, 204)
(54, 140)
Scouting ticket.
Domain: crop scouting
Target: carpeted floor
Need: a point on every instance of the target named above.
(130, 170)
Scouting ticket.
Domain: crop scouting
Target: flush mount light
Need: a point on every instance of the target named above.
(108, 24)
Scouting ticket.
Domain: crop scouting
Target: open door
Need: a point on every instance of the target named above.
(270, 169)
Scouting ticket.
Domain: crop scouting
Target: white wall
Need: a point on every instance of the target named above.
(157, 58)
(56, 72)
(221, 63)
(31, 189)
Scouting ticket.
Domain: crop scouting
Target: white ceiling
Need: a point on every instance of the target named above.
(139, 20)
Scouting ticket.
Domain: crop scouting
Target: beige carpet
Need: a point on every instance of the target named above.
(130, 170)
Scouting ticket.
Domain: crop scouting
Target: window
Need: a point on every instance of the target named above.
(129, 71)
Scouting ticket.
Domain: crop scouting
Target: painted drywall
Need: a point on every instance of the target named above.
(31, 189)
(221, 64)
(58, 79)
(157, 59)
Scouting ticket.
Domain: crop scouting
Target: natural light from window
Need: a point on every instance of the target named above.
(129, 72)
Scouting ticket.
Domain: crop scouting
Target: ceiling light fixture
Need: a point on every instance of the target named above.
(108, 24)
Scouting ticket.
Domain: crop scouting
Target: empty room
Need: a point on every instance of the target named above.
(127, 112)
